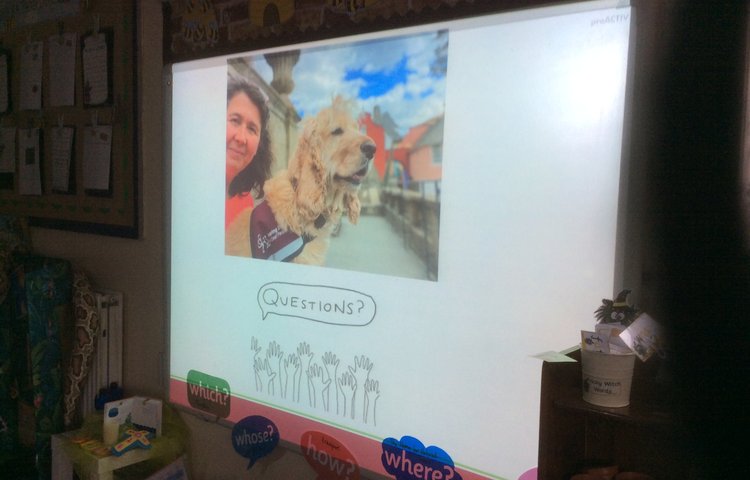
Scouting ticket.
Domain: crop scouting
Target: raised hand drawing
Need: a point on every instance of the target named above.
(265, 374)
(361, 372)
(331, 364)
(306, 356)
(255, 348)
(276, 359)
(292, 363)
(348, 383)
(372, 392)
(284, 377)
(319, 385)
(295, 377)
(272, 374)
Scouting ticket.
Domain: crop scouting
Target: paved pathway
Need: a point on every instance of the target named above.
(373, 246)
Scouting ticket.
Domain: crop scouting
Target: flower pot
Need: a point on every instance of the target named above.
(607, 378)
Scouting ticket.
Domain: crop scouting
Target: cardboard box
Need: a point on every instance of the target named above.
(143, 412)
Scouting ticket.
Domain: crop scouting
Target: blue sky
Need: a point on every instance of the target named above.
(392, 73)
(379, 82)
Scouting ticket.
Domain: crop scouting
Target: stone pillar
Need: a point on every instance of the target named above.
(282, 64)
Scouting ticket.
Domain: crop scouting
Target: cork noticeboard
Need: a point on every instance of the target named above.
(68, 132)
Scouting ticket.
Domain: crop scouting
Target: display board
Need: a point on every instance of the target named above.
(68, 116)
(487, 233)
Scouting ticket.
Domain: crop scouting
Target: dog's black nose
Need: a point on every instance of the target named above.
(368, 150)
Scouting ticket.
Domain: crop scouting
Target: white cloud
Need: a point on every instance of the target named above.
(320, 75)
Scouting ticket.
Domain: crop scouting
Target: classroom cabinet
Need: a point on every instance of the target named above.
(644, 436)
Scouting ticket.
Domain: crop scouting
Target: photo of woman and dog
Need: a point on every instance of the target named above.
(334, 154)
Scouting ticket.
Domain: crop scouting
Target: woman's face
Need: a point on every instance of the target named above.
(243, 133)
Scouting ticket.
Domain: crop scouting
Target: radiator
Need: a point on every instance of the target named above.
(106, 365)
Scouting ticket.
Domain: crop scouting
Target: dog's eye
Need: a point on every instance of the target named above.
(338, 131)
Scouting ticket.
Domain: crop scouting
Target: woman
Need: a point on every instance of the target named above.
(248, 161)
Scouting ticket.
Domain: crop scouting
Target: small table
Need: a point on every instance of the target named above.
(64, 451)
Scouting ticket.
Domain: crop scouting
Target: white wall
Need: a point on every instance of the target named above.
(134, 267)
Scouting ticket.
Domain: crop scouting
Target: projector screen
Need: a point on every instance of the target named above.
(487, 234)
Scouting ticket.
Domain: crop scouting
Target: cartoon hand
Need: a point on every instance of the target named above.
(274, 351)
(347, 383)
(255, 346)
(266, 375)
(276, 357)
(271, 373)
(259, 368)
(292, 362)
(284, 376)
(331, 363)
(319, 384)
(361, 372)
(306, 356)
(303, 350)
(372, 393)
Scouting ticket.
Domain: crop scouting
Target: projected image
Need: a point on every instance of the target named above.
(334, 155)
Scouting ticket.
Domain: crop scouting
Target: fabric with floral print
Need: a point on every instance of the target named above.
(42, 288)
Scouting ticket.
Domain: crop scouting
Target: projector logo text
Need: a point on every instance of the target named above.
(610, 19)
(208, 393)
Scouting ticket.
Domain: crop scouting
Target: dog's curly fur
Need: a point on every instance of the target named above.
(322, 179)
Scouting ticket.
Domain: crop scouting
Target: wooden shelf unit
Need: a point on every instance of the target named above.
(574, 434)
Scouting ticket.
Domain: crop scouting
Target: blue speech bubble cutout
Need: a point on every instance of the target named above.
(409, 459)
(254, 437)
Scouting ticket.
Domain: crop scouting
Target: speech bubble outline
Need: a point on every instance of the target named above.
(317, 303)
(254, 437)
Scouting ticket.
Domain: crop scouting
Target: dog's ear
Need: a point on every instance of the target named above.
(352, 207)
(310, 174)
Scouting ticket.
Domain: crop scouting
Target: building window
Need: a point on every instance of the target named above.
(437, 154)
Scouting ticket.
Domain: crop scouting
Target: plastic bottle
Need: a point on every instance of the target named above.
(111, 427)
